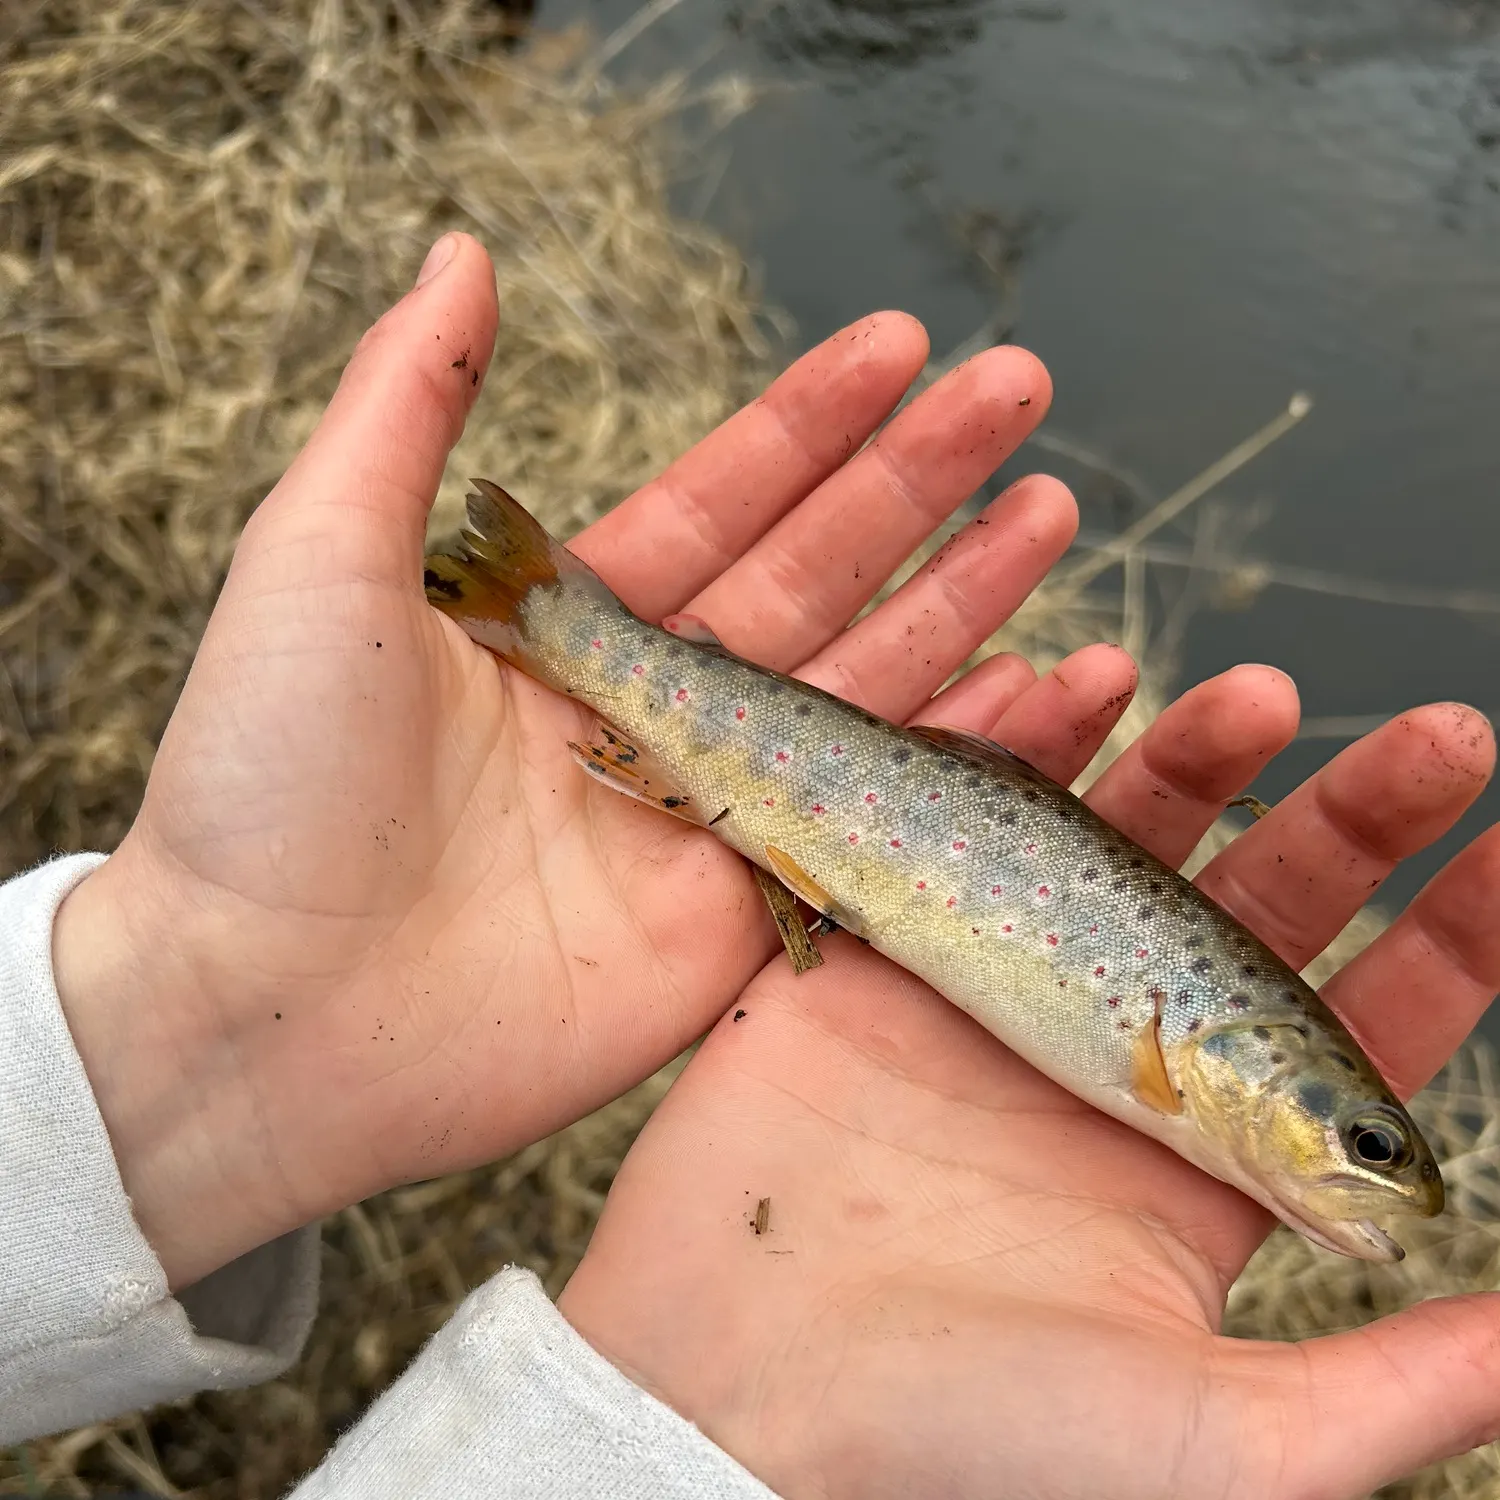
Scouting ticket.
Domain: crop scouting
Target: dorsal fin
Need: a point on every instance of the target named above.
(975, 747)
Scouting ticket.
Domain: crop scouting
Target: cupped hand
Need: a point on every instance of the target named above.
(371, 923)
(971, 1284)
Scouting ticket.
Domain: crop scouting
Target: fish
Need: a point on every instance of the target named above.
(1098, 964)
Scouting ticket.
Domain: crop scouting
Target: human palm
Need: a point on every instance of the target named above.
(972, 1284)
(370, 912)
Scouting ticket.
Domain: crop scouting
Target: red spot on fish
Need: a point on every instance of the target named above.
(638, 670)
(836, 750)
(1044, 891)
(1052, 940)
(739, 713)
(682, 695)
(1007, 928)
(1099, 972)
(597, 645)
(1122, 1025)
(952, 900)
(853, 838)
(895, 843)
(1093, 929)
(921, 885)
(871, 797)
(1031, 848)
(933, 796)
(782, 756)
(769, 802)
(818, 809)
(997, 890)
(959, 845)
(1142, 952)
(1113, 1002)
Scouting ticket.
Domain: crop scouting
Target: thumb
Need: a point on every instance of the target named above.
(1361, 1409)
(364, 483)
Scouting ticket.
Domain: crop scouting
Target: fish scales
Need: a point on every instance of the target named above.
(992, 883)
(1097, 963)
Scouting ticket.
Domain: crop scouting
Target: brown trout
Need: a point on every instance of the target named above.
(1106, 970)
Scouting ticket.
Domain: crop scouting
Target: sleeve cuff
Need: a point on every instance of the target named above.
(88, 1327)
(509, 1400)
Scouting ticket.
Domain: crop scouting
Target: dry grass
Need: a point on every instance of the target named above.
(201, 207)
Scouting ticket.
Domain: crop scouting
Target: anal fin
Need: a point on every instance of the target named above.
(625, 768)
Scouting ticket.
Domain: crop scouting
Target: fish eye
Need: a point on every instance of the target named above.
(1378, 1140)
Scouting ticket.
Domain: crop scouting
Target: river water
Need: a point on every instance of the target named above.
(1190, 209)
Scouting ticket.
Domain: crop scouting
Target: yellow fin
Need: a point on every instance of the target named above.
(625, 768)
(802, 885)
(1148, 1068)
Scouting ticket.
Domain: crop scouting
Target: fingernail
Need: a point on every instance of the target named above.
(438, 257)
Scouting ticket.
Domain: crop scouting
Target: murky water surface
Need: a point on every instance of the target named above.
(1190, 209)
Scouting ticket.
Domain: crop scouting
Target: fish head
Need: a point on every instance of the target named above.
(1316, 1129)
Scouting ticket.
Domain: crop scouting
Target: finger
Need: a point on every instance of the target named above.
(1167, 788)
(1356, 1410)
(372, 466)
(816, 569)
(892, 661)
(980, 696)
(1298, 875)
(1060, 722)
(675, 535)
(1418, 990)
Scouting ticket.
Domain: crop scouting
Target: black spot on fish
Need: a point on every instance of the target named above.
(1262, 1034)
(974, 783)
(1147, 912)
(773, 687)
(1345, 1061)
(449, 588)
(1009, 818)
(1089, 874)
(1278, 1057)
(1202, 965)
(1193, 940)
(1137, 864)
(1239, 1002)
(901, 755)
(1119, 885)
(1065, 815)
(1249, 971)
(803, 710)
(1183, 996)
(1154, 886)
(673, 801)
(1030, 793)
(1195, 1023)
(1290, 996)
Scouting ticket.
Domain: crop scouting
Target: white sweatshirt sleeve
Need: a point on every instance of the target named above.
(506, 1400)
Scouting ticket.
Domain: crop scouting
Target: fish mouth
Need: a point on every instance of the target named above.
(1361, 1238)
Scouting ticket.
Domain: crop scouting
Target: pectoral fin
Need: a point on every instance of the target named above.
(1149, 1080)
(610, 758)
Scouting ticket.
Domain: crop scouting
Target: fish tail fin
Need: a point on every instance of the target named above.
(506, 554)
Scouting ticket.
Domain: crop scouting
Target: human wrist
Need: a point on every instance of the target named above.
(164, 1079)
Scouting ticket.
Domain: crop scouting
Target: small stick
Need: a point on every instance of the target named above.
(1257, 808)
(800, 948)
(762, 1216)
